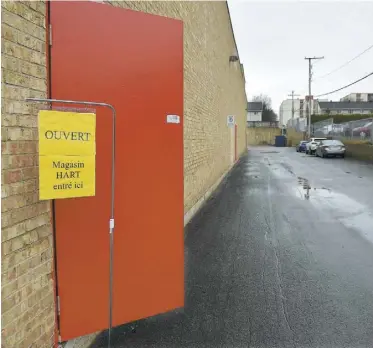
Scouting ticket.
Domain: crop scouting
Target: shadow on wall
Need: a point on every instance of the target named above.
(262, 135)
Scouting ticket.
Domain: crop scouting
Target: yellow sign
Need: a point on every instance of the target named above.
(67, 154)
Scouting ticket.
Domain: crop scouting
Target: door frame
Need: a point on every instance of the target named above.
(57, 337)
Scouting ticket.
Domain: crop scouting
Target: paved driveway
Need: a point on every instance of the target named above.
(269, 266)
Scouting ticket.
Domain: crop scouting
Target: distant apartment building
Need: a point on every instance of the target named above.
(300, 109)
(254, 111)
(344, 107)
(358, 97)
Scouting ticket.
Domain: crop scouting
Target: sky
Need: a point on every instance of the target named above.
(273, 38)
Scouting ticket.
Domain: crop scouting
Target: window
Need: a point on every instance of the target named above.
(332, 142)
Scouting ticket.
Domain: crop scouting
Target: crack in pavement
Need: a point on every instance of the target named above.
(277, 264)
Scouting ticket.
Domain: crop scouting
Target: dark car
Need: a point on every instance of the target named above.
(363, 131)
(301, 147)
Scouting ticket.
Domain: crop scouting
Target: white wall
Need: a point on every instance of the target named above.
(346, 112)
(353, 97)
(254, 116)
(285, 113)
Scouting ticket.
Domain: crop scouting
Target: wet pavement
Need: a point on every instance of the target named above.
(280, 256)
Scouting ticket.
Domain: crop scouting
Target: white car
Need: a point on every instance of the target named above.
(312, 145)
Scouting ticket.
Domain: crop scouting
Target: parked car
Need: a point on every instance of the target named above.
(312, 145)
(328, 148)
(363, 131)
(301, 147)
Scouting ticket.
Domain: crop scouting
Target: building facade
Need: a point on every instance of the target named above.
(254, 111)
(214, 87)
(344, 107)
(300, 109)
(285, 112)
(358, 97)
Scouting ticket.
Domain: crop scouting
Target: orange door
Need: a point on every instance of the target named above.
(133, 61)
(235, 143)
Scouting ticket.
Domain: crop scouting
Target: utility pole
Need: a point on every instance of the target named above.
(292, 95)
(309, 90)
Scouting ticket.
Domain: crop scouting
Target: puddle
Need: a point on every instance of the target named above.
(288, 168)
(349, 212)
(362, 222)
(269, 152)
(305, 191)
(304, 183)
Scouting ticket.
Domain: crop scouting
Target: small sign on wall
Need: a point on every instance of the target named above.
(230, 121)
(173, 119)
(67, 154)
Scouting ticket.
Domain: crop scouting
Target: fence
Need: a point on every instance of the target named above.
(253, 124)
(299, 124)
(356, 130)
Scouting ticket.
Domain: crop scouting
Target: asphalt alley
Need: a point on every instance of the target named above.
(280, 256)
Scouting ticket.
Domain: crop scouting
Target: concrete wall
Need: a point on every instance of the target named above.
(360, 151)
(262, 135)
(213, 89)
(294, 137)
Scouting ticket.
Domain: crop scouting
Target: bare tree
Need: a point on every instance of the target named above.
(265, 99)
(268, 114)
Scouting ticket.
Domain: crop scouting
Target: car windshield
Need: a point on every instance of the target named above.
(332, 142)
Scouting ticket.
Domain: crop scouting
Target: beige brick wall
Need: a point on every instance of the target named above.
(262, 135)
(213, 89)
(294, 137)
(27, 286)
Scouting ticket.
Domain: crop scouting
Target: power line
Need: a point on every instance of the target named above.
(345, 64)
(292, 95)
(339, 89)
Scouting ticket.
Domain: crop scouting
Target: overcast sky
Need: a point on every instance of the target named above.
(274, 37)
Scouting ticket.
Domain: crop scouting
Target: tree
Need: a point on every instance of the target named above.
(265, 99)
(268, 114)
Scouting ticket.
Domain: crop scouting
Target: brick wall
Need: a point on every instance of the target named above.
(294, 137)
(213, 89)
(262, 135)
(27, 287)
